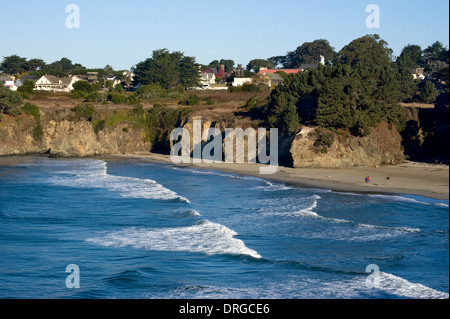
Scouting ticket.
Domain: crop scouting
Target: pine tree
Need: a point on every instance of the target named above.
(429, 92)
(291, 120)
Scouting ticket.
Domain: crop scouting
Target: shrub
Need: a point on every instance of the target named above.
(78, 95)
(94, 97)
(83, 86)
(190, 100)
(117, 98)
(98, 125)
(151, 91)
(27, 87)
(251, 103)
(31, 109)
(324, 141)
(85, 111)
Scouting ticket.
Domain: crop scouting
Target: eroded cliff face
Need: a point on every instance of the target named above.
(382, 146)
(77, 138)
(66, 138)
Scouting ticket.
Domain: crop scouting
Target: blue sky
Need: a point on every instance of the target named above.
(123, 33)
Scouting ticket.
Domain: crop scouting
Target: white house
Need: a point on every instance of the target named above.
(207, 79)
(8, 82)
(52, 83)
(241, 81)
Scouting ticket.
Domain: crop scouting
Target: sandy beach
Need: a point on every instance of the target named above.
(411, 178)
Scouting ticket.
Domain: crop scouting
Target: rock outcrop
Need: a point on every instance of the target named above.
(382, 146)
(66, 138)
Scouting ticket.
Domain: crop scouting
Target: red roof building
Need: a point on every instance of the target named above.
(218, 73)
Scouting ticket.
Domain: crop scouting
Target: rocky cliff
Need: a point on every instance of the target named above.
(312, 147)
(382, 146)
(67, 138)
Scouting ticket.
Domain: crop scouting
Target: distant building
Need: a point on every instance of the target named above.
(207, 79)
(241, 81)
(274, 79)
(218, 73)
(113, 79)
(25, 78)
(52, 83)
(8, 82)
(92, 77)
(418, 73)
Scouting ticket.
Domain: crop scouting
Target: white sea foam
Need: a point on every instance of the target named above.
(401, 287)
(417, 200)
(311, 287)
(217, 173)
(93, 174)
(269, 187)
(205, 237)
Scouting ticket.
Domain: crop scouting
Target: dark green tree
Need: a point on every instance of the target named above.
(189, 72)
(13, 64)
(429, 92)
(163, 68)
(34, 65)
(345, 97)
(309, 52)
(291, 120)
(369, 49)
(83, 86)
(9, 100)
(434, 52)
(411, 57)
(256, 64)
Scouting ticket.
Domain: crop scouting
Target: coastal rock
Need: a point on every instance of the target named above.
(66, 138)
(382, 146)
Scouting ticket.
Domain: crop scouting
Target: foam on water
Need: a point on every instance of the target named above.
(93, 174)
(403, 288)
(204, 237)
(305, 208)
(411, 199)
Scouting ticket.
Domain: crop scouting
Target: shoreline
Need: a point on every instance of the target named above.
(409, 178)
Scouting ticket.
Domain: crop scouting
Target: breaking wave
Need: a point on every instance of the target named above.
(93, 174)
(204, 237)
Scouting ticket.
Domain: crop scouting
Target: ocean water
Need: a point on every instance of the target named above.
(142, 230)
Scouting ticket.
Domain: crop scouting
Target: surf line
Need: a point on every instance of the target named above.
(208, 146)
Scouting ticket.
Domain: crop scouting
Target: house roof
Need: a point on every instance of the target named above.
(28, 77)
(6, 78)
(57, 80)
(288, 71)
(306, 66)
(275, 77)
(211, 70)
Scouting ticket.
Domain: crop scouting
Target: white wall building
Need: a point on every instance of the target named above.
(241, 81)
(52, 83)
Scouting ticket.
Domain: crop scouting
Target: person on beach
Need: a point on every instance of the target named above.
(368, 179)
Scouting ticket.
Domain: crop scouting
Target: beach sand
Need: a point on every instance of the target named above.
(410, 178)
